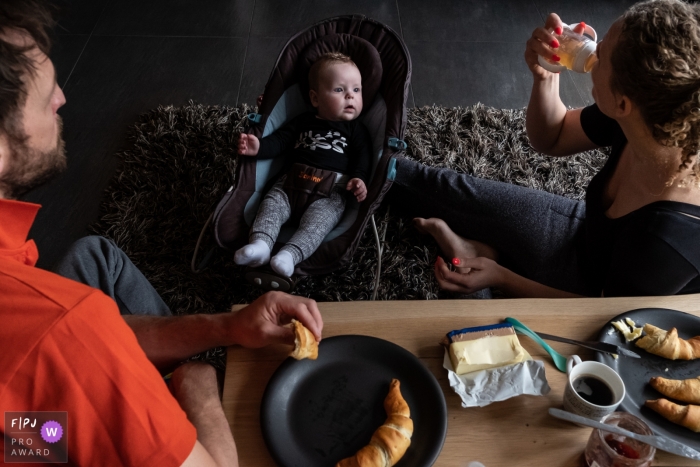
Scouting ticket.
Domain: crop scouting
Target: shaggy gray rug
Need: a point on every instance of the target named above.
(182, 160)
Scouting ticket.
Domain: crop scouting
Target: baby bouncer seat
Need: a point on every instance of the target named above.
(385, 65)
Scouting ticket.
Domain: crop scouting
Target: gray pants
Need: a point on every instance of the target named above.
(537, 234)
(316, 222)
(99, 263)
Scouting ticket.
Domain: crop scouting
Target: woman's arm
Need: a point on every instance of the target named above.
(480, 273)
(552, 129)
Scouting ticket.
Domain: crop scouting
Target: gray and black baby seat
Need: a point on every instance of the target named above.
(385, 65)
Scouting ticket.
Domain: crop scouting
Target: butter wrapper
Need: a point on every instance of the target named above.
(480, 388)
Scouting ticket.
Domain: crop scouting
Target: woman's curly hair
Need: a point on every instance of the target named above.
(656, 63)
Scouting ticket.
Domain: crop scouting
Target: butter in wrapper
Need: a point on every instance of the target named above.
(484, 347)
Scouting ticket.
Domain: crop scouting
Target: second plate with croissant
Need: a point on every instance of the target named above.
(637, 373)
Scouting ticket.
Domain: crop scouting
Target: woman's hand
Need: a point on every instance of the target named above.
(542, 42)
(248, 145)
(481, 273)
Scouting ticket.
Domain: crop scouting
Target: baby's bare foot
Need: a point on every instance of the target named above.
(451, 244)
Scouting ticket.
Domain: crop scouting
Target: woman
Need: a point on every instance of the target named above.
(638, 232)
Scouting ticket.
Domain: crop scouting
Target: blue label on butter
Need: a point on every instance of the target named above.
(490, 327)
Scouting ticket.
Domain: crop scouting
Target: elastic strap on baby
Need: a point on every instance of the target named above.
(304, 185)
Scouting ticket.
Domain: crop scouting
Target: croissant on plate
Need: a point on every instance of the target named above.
(686, 390)
(684, 415)
(305, 345)
(667, 344)
(390, 441)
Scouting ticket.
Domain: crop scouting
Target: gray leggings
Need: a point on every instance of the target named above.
(316, 222)
(537, 234)
(99, 263)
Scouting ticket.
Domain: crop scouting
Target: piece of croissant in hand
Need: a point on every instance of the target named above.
(684, 415)
(667, 344)
(390, 441)
(305, 345)
(686, 390)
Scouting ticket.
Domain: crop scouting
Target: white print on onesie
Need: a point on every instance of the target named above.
(332, 140)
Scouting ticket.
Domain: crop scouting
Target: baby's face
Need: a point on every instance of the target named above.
(339, 95)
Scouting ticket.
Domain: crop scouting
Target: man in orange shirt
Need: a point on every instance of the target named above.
(65, 346)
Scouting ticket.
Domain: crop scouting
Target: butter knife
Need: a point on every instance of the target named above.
(599, 346)
(659, 442)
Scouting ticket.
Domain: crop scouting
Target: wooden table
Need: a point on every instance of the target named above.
(516, 432)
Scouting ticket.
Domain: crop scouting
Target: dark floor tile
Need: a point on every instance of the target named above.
(461, 74)
(65, 53)
(410, 102)
(600, 14)
(273, 18)
(221, 18)
(116, 79)
(78, 16)
(468, 20)
(260, 59)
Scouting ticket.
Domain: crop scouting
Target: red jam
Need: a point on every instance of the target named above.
(621, 448)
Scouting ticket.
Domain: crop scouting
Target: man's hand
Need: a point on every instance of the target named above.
(358, 189)
(261, 323)
(482, 273)
(248, 145)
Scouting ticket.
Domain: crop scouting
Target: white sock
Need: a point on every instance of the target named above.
(283, 263)
(254, 254)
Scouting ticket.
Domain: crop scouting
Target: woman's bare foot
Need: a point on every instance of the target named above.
(451, 244)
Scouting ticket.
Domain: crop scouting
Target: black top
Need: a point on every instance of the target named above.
(654, 250)
(344, 147)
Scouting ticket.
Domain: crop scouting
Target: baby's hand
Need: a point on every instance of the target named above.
(358, 189)
(248, 145)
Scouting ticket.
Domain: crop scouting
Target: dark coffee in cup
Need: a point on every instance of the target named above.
(594, 390)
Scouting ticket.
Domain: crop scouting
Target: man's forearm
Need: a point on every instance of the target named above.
(195, 388)
(168, 340)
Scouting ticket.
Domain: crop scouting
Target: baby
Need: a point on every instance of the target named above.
(328, 144)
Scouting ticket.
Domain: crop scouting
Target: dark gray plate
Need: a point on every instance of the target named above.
(315, 413)
(636, 372)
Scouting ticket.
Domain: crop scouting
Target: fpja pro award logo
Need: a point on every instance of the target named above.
(36, 437)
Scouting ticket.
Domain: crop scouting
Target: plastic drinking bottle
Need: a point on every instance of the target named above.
(577, 51)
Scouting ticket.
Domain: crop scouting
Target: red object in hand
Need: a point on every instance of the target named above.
(554, 43)
(621, 448)
(556, 58)
(558, 30)
(456, 261)
(582, 24)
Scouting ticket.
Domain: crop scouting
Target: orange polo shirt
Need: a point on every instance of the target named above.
(66, 348)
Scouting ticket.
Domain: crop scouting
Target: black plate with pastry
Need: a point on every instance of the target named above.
(636, 372)
(316, 412)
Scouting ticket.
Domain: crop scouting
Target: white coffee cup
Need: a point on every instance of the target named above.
(574, 403)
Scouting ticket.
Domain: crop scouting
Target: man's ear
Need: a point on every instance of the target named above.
(313, 95)
(4, 152)
(4, 157)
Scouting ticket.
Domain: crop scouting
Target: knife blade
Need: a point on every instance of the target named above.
(660, 442)
(599, 346)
